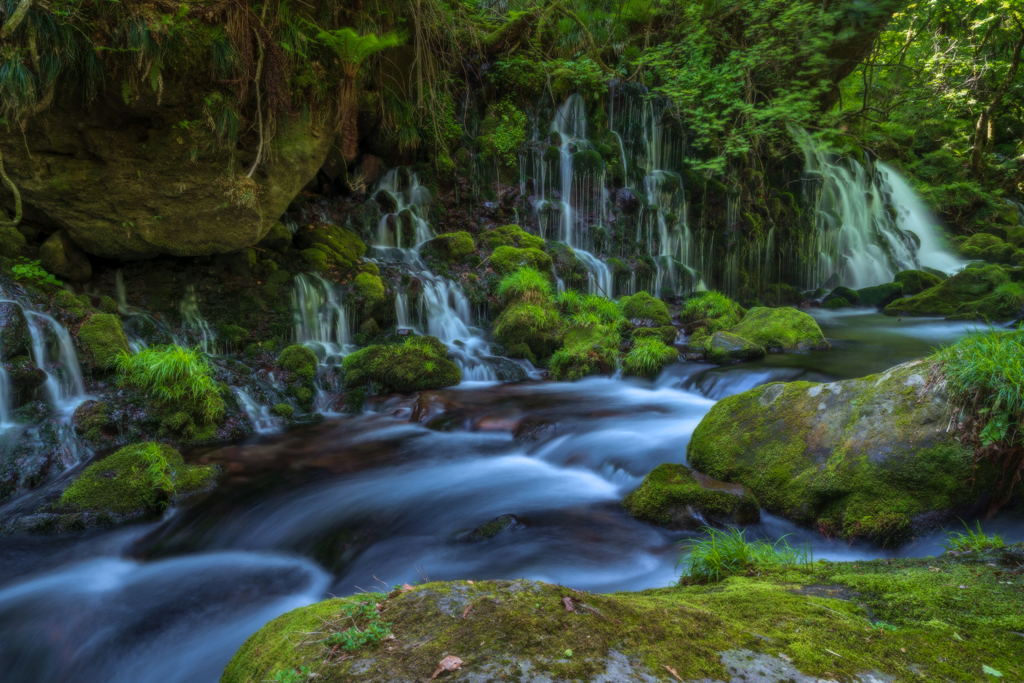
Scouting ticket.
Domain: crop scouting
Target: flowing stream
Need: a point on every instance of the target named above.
(394, 494)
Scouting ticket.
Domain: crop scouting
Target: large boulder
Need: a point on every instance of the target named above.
(421, 363)
(916, 281)
(126, 181)
(972, 294)
(103, 339)
(880, 295)
(62, 257)
(644, 310)
(677, 497)
(862, 458)
(781, 329)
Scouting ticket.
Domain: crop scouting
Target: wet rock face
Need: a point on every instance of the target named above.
(15, 339)
(874, 457)
(62, 257)
(125, 182)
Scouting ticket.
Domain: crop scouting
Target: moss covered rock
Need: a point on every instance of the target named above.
(585, 352)
(298, 360)
(369, 288)
(916, 281)
(420, 363)
(136, 479)
(724, 348)
(528, 330)
(15, 339)
(278, 238)
(103, 339)
(677, 497)
(710, 311)
(646, 310)
(667, 334)
(884, 620)
(512, 236)
(12, 242)
(505, 260)
(62, 257)
(781, 329)
(946, 298)
(850, 296)
(863, 458)
(75, 306)
(975, 245)
(880, 296)
(451, 247)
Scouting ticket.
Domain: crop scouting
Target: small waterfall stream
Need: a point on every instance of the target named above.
(403, 203)
(321, 322)
(871, 225)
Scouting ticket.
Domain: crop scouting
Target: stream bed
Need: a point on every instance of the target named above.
(370, 501)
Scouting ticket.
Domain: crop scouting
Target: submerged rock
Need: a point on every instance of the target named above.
(677, 497)
(497, 526)
(863, 458)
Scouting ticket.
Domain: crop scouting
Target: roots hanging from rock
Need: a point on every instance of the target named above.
(9, 184)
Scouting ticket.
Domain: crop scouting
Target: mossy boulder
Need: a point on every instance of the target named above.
(24, 378)
(710, 311)
(512, 236)
(283, 410)
(136, 479)
(585, 352)
(298, 360)
(724, 348)
(121, 199)
(880, 296)
(945, 298)
(677, 497)
(12, 242)
(667, 334)
(103, 339)
(781, 329)
(850, 296)
(62, 257)
(15, 339)
(74, 305)
(864, 458)
(369, 288)
(529, 330)
(916, 281)
(419, 364)
(645, 310)
(278, 238)
(505, 260)
(451, 247)
(976, 245)
(897, 619)
(339, 247)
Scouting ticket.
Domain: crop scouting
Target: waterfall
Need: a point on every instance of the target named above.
(321, 323)
(870, 225)
(259, 415)
(406, 224)
(192, 319)
(443, 311)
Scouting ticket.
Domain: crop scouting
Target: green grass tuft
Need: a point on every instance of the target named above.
(647, 357)
(175, 375)
(728, 552)
(972, 540)
(523, 284)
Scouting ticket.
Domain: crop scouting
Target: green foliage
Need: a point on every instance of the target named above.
(726, 553)
(367, 627)
(512, 236)
(418, 364)
(103, 338)
(647, 357)
(984, 372)
(713, 309)
(509, 259)
(642, 306)
(369, 287)
(974, 540)
(176, 376)
(524, 283)
(32, 271)
(299, 674)
(503, 132)
(299, 360)
(352, 49)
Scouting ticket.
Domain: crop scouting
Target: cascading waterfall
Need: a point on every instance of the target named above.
(405, 226)
(870, 223)
(443, 311)
(192, 319)
(321, 323)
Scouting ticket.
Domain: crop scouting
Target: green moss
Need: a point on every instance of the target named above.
(278, 238)
(77, 306)
(648, 357)
(643, 306)
(108, 305)
(524, 284)
(138, 478)
(102, 338)
(528, 328)
(586, 351)
(370, 288)
(419, 364)
(836, 302)
(846, 293)
(981, 241)
(12, 242)
(916, 281)
(451, 247)
(784, 329)
(945, 298)
(512, 236)
(929, 619)
(283, 410)
(710, 310)
(673, 495)
(587, 162)
(298, 360)
(233, 335)
(508, 259)
(316, 259)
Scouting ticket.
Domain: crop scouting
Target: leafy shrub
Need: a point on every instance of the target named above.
(367, 628)
(728, 552)
(175, 375)
(34, 272)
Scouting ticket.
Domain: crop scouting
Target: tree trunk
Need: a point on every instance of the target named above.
(982, 127)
